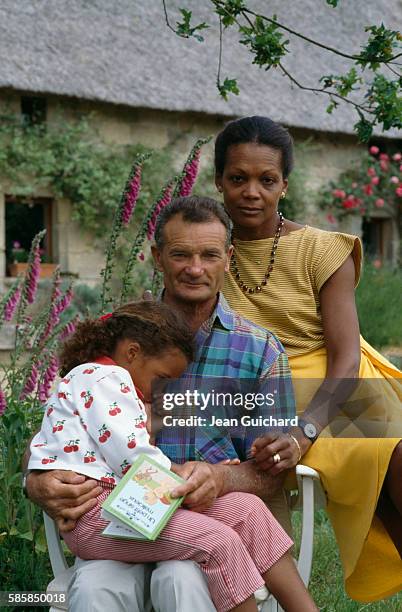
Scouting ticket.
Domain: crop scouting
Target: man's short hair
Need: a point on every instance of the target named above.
(193, 209)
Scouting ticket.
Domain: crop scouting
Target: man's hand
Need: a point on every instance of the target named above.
(265, 448)
(64, 495)
(204, 484)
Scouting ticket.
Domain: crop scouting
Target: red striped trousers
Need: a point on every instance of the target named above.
(234, 542)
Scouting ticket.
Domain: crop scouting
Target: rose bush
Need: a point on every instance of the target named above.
(376, 184)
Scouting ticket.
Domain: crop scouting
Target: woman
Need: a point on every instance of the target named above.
(299, 282)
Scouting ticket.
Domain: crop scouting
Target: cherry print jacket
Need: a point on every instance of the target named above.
(94, 424)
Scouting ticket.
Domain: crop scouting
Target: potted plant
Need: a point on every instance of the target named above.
(19, 263)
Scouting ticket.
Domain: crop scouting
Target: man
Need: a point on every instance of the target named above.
(193, 249)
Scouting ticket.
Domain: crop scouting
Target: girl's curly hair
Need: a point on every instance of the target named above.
(154, 325)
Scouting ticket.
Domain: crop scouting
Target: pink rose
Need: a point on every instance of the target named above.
(397, 157)
(354, 185)
(384, 165)
(338, 193)
(368, 190)
(394, 179)
(331, 219)
(379, 203)
(375, 180)
(371, 171)
(384, 157)
(377, 263)
(398, 192)
(374, 150)
(348, 203)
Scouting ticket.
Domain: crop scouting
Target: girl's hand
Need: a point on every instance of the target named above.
(275, 453)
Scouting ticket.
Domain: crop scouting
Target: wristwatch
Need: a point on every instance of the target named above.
(25, 475)
(308, 429)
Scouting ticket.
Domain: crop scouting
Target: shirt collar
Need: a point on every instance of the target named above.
(222, 314)
(104, 360)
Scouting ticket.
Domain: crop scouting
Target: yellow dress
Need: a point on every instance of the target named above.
(352, 469)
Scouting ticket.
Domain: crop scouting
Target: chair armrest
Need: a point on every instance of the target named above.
(56, 553)
(304, 470)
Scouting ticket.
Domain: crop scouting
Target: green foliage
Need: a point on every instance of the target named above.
(184, 28)
(375, 98)
(380, 47)
(75, 164)
(228, 86)
(387, 100)
(378, 299)
(264, 41)
(229, 10)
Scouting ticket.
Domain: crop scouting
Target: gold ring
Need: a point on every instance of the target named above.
(276, 458)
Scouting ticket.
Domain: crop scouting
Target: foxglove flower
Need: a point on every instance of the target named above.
(191, 171)
(12, 304)
(30, 383)
(3, 402)
(45, 387)
(33, 275)
(131, 195)
(160, 205)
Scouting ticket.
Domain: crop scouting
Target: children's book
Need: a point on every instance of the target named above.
(140, 505)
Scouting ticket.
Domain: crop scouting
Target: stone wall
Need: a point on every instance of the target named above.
(321, 160)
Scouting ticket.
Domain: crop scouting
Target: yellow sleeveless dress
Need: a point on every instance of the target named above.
(352, 469)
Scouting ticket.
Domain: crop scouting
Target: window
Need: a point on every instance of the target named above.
(377, 238)
(33, 110)
(24, 219)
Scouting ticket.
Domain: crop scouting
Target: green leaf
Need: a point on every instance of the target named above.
(380, 47)
(364, 129)
(264, 41)
(184, 28)
(228, 86)
(333, 3)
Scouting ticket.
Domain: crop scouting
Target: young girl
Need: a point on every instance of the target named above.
(95, 424)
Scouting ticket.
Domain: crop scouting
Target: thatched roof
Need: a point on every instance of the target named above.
(121, 52)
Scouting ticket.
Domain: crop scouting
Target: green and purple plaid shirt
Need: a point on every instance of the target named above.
(231, 348)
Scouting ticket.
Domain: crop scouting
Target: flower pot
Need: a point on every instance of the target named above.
(18, 269)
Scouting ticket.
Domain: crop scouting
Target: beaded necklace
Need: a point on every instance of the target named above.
(235, 269)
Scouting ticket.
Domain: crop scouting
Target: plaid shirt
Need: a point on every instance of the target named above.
(230, 349)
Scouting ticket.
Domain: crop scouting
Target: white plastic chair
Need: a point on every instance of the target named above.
(309, 493)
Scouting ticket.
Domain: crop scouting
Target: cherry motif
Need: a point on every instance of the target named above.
(124, 388)
(114, 409)
(104, 434)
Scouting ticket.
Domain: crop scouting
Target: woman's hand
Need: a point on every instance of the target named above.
(268, 449)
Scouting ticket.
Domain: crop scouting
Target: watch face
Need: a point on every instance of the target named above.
(310, 430)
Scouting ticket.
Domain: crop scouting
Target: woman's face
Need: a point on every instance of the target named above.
(252, 184)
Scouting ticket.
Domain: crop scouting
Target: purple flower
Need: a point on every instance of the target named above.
(30, 382)
(191, 170)
(11, 304)
(33, 275)
(131, 196)
(69, 328)
(45, 387)
(160, 205)
(3, 403)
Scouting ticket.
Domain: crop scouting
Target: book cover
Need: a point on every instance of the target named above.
(141, 501)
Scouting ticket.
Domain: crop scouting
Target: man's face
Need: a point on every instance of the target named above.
(193, 260)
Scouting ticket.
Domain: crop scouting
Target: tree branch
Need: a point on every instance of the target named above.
(324, 91)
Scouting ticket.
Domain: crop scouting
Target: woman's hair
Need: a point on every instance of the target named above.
(154, 325)
(258, 130)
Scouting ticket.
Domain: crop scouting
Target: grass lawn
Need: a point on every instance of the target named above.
(326, 584)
